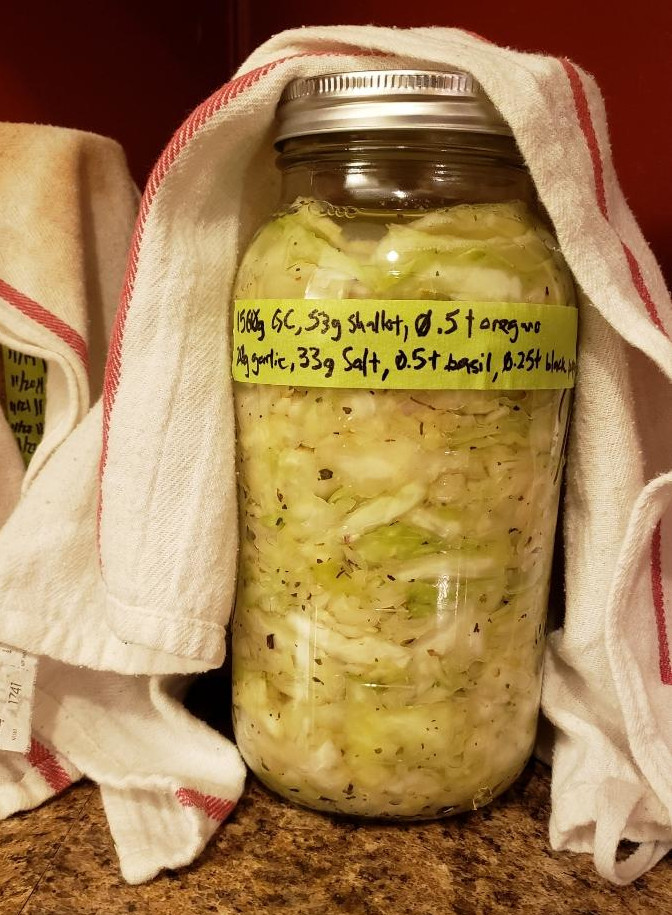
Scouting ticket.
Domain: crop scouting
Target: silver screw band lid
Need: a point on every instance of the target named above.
(384, 100)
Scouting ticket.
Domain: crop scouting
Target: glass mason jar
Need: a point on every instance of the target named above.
(403, 353)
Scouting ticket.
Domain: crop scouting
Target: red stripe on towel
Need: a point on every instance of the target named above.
(45, 318)
(642, 288)
(217, 808)
(586, 122)
(659, 608)
(588, 128)
(48, 766)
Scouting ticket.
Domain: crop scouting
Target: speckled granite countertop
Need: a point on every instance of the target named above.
(271, 857)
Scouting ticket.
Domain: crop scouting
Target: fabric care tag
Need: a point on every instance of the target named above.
(359, 343)
(18, 671)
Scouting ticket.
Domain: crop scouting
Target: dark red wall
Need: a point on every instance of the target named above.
(133, 69)
(130, 69)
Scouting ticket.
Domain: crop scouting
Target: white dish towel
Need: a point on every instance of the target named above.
(152, 466)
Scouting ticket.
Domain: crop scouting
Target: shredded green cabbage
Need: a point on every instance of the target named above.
(396, 546)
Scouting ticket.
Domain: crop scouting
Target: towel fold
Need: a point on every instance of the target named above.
(167, 780)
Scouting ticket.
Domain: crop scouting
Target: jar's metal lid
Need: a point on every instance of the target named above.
(387, 99)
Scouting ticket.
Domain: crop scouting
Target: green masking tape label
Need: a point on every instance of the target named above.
(23, 397)
(360, 343)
